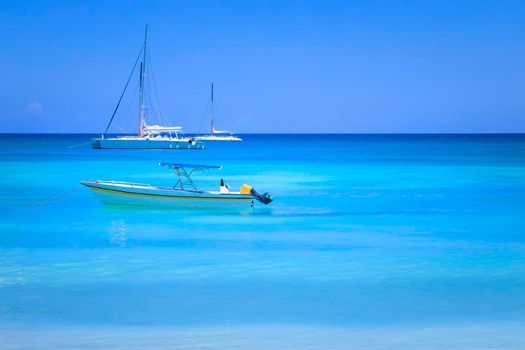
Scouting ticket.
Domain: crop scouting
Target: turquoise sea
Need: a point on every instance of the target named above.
(372, 242)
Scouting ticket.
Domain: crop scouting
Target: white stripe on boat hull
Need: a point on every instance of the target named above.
(217, 138)
(145, 195)
(145, 144)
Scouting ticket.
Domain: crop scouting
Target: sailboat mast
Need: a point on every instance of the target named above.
(140, 101)
(141, 92)
(212, 111)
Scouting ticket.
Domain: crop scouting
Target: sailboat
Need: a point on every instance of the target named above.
(216, 135)
(148, 136)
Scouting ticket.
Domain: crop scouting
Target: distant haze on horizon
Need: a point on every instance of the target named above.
(278, 66)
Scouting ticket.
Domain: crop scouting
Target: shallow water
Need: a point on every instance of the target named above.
(372, 242)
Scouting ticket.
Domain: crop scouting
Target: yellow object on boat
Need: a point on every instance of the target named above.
(245, 189)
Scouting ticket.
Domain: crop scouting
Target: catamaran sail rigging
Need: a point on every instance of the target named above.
(163, 136)
(123, 91)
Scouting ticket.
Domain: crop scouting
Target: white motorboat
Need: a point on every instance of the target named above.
(184, 193)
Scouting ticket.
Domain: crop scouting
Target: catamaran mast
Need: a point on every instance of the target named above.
(212, 112)
(141, 92)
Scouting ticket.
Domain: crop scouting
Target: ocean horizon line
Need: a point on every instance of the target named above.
(290, 133)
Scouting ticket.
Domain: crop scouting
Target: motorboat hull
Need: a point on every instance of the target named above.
(121, 193)
(146, 143)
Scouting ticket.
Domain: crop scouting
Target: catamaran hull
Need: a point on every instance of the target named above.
(115, 195)
(146, 144)
(217, 138)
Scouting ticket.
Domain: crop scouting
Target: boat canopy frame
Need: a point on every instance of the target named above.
(184, 176)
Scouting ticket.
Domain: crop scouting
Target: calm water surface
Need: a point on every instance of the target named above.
(372, 242)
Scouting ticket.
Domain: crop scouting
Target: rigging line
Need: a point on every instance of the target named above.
(216, 111)
(162, 117)
(147, 96)
(204, 119)
(50, 200)
(212, 111)
(80, 144)
(155, 90)
(154, 84)
(131, 102)
(125, 87)
(152, 109)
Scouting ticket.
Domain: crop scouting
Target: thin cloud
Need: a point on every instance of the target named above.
(33, 108)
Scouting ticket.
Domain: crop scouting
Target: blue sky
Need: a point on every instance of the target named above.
(278, 66)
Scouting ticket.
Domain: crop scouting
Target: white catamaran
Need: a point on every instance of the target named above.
(149, 136)
(216, 135)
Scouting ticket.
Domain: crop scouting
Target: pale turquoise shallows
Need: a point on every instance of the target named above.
(372, 242)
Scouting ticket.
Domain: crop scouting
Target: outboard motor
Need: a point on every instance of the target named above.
(264, 198)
